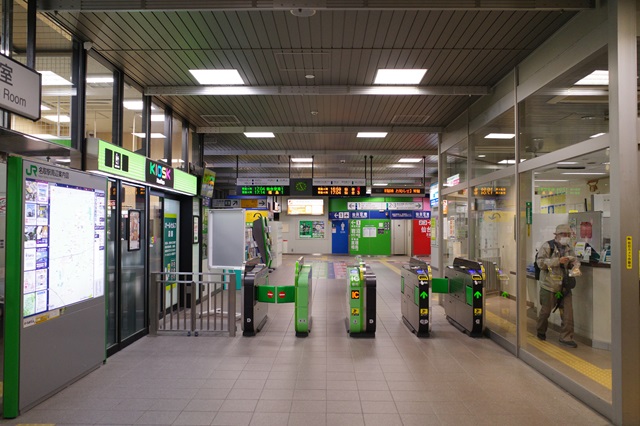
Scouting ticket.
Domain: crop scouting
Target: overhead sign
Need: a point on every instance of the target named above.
(411, 205)
(21, 88)
(339, 182)
(399, 190)
(301, 187)
(220, 203)
(262, 181)
(340, 191)
(262, 190)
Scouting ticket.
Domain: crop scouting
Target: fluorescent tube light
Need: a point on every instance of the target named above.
(63, 160)
(399, 76)
(409, 160)
(509, 161)
(177, 161)
(500, 136)
(49, 78)
(44, 108)
(132, 105)
(153, 135)
(218, 77)
(481, 155)
(390, 90)
(157, 117)
(57, 118)
(597, 135)
(552, 180)
(303, 165)
(380, 184)
(567, 162)
(596, 78)
(584, 173)
(371, 134)
(259, 134)
(402, 166)
(302, 160)
(100, 79)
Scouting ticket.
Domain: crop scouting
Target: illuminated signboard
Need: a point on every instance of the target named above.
(340, 191)
(484, 191)
(262, 190)
(390, 190)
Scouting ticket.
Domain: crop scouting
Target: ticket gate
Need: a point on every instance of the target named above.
(254, 312)
(303, 298)
(361, 301)
(464, 303)
(415, 283)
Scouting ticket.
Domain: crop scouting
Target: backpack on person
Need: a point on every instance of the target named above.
(536, 268)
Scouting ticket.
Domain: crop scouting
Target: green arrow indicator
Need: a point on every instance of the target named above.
(477, 295)
(424, 294)
(559, 295)
(505, 294)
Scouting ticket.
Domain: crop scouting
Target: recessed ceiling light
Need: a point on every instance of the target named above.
(399, 76)
(302, 160)
(217, 77)
(409, 160)
(380, 184)
(481, 155)
(49, 78)
(153, 136)
(310, 76)
(100, 79)
(500, 136)
(259, 134)
(597, 135)
(567, 162)
(314, 112)
(371, 134)
(401, 166)
(596, 78)
(132, 105)
(302, 13)
(57, 118)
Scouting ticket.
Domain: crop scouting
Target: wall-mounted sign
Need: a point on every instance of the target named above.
(433, 194)
(340, 191)
(400, 190)
(453, 180)
(262, 190)
(159, 174)
(21, 89)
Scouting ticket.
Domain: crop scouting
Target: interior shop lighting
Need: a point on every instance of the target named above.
(409, 160)
(596, 78)
(97, 79)
(302, 160)
(500, 136)
(157, 117)
(49, 78)
(132, 105)
(259, 134)
(399, 76)
(597, 135)
(371, 135)
(153, 135)
(44, 108)
(509, 161)
(217, 77)
(57, 118)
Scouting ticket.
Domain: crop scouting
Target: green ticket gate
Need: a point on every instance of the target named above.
(257, 294)
(464, 304)
(361, 301)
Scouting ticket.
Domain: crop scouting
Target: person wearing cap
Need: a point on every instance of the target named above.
(554, 258)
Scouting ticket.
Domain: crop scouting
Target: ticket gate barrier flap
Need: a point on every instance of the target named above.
(464, 304)
(275, 294)
(440, 285)
(303, 300)
(254, 311)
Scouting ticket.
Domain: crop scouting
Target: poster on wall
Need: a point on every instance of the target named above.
(311, 229)
(63, 240)
(134, 230)
(170, 249)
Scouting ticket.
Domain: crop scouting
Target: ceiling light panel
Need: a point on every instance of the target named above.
(302, 160)
(49, 78)
(500, 136)
(217, 77)
(596, 78)
(399, 76)
(372, 134)
(57, 118)
(409, 160)
(259, 134)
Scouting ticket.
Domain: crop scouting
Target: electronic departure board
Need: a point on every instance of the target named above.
(489, 191)
(340, 191)
(262, 190)
(390, 190)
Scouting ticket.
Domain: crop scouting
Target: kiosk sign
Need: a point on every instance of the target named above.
(21, 88)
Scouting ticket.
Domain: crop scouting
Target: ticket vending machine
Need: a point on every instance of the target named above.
(464, 304)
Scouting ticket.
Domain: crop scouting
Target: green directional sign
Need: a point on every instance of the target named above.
(423, 295)
(477, 295)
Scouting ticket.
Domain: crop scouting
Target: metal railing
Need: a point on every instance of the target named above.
(193, 303)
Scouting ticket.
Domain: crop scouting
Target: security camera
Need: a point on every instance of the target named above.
(343, 161)
(87, 45)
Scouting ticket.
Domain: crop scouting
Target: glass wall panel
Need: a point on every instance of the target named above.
(112, 240)
(132, 129)
(570, 109)
(176, 143)
(157, 133)
(455, 168)
(456, 226)
(569, 223)
(191, 143)
(493, 145)
(494, 244)
(99, 104)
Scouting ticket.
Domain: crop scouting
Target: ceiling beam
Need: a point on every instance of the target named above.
(318, 129)
(265, 5)
(317, 90)
(319, 152)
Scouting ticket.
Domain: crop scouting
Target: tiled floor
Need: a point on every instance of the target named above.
(325, 379)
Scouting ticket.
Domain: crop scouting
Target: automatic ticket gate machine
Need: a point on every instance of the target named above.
(464, 303)
(303, 298)
(415, 283)
(361, 300)
(254, 312)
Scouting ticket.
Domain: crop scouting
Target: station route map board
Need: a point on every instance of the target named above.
(64, 240)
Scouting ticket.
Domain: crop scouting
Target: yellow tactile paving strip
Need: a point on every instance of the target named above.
(599, 375)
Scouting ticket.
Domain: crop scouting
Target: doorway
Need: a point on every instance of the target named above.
(399, 237)
(164, 237)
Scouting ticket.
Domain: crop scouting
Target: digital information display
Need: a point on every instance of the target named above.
(339, 191)
(262, 190)
(489, 190)
(64, 240)
(389, 190)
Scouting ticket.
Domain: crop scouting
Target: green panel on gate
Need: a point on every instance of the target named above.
(355, 294)
(286, 293)
(469, 295)
(266, 293)
(439, 285)
(302, 297)
(416, 295)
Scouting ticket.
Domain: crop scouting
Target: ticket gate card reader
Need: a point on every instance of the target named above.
(361, 301)
(464, 304)
(415, 283)
(254, 312)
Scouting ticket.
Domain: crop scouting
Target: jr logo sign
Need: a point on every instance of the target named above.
(32, 170)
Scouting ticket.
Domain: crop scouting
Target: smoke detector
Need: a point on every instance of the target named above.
(303, 13)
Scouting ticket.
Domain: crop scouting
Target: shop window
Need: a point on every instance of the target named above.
(455, 166)
(493, 145)
(99, 104)
(133, 137)
(158, 137)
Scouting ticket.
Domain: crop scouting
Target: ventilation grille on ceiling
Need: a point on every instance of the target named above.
(221, 120)
(412, 120)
